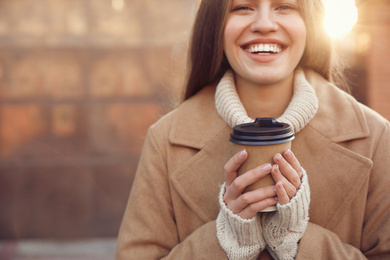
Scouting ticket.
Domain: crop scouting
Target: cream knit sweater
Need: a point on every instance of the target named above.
(281, 231)
(302, 108)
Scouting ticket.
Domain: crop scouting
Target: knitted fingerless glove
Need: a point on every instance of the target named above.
(283, 229)
(240, 238)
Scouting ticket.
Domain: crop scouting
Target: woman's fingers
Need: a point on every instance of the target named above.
(237, 186)
(248, 204)
(292, 160)
(283, 198)
(288, 171)
(232, 166)
(279, 178)
(250, 211)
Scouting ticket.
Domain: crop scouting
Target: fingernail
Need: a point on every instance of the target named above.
(278, 156)
(276, 167)
(267, 167)
(288, 153)
(274, 189)
(276, 198)
(242, 154)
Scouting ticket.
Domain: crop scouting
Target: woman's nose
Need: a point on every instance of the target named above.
(263, 22)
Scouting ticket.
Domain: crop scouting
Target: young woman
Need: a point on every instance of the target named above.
(250, 59)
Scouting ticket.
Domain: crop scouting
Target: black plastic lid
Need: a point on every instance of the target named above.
(263, 131)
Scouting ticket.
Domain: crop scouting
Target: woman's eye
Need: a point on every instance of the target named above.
(284, 7)
(241, 8)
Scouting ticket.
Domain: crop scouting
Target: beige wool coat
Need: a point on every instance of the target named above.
(345, 149)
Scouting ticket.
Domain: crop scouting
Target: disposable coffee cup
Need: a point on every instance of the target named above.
(262, 139)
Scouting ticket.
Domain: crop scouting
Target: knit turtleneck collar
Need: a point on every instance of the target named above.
(302, 108)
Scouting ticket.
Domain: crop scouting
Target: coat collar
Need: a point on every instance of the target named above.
(335, 103)
(198, 121)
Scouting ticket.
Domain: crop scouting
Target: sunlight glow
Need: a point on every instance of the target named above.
(341, 16)
(117, 5)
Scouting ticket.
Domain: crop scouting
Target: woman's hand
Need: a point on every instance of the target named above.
(287, 173)
(247, 205)
(283, 228)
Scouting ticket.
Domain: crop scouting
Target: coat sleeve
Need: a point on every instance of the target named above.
(320, 243)
(148, 229)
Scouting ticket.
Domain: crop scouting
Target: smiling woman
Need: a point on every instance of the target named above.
(341, 16)
(278, 29)
(251, 59)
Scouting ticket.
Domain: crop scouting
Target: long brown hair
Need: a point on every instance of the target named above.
(207, 62)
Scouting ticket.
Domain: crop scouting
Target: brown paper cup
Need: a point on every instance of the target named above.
(259, 155)
(262, 139)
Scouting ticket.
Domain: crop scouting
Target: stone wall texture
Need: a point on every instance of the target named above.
(80, 83)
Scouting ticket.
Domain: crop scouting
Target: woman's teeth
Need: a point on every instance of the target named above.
(264, 48)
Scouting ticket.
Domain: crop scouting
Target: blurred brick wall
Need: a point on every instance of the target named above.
(80, 83)
(378, 95)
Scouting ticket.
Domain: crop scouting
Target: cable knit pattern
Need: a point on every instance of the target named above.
(228, 103)
(302, 108)
(283, 229)
(240, 238)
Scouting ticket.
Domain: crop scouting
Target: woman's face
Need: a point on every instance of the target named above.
(264, 40)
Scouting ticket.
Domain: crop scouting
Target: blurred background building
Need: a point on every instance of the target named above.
(80, 83)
